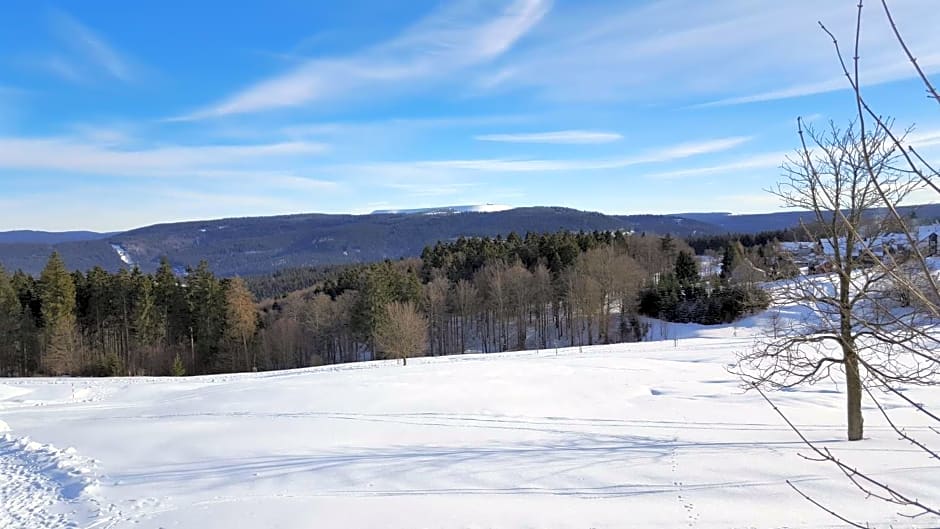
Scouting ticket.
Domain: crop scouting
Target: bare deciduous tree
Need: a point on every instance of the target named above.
(849, 322)
(403, 332)
(241, 322)
(465, 301)
(909, 273)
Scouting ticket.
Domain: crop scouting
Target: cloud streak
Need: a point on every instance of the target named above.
(86, 55)
(758, 161)
(449, 40)
(671, 50)
(69, 156)
(660, 155)
(571, 137)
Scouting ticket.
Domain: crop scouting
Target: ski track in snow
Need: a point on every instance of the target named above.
(655, 434)
(123, 254)
(42, 487)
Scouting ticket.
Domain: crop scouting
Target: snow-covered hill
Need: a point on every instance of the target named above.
(445, 210)
(655, 434)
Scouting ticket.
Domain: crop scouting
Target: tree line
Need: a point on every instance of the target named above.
(486, 294)
(126, 323)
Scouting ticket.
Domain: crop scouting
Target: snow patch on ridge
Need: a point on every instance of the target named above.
(445, 210)
(123, 254)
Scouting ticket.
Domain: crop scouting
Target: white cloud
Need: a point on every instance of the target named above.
(397, 126)
(732, 51)
(86, 55)
(459, 36)
(102, 208)
(872, 76)
(71, 156)
(923, 139)
(269, 180)
(745, 203)
(559, 137)
(660, 155)
(432, 189)
(768, 160)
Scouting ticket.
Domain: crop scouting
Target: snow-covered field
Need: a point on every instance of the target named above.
(656, 434)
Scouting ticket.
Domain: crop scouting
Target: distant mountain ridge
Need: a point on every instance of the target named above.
(261, 245)
(782, 220)
(49, 237)
(444, 210)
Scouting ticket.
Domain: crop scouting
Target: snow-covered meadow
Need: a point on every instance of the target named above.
(655, 434)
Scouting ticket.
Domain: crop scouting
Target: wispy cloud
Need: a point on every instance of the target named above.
(744, 203)
(270, 180)
(924, 138)
(554, 137)
(423, 190)
(67, 155)
(768, 160)
(667, 51)
(873, 76)
(659, 155)
(85, 54)
(398, 126)
(456, 37)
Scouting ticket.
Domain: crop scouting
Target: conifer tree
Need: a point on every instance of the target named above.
(10, 319)
(177, 369)
(206, 299)
(171, 307)
(686, 269)
(57, 294)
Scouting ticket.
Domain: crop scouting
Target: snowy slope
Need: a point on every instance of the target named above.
(123, 254)
(445, 210)
(655, 434)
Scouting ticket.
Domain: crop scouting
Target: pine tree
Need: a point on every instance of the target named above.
(57, 294)
(10, 320)
(146, 326)
(206, 299)
(178, 369)
(686, 269)
(730, 260)
(171, 306)
(27, 291)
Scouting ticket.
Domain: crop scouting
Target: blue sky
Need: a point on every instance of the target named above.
(118, 114)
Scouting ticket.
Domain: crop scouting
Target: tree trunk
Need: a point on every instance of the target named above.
(853, 389)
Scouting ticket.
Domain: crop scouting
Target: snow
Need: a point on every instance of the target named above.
(655, 434)
(42, 486)
(797, 246)
(445, 210)
(123, 254)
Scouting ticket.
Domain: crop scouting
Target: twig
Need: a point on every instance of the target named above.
(828, 510)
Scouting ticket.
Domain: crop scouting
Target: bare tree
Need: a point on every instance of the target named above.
(491, 282)
(519, 289)
(909, 273)
(435, 303)
(848, 323)
(542, 295)
(403, 332)
(465, 303)
(241, 322)
(586, 301)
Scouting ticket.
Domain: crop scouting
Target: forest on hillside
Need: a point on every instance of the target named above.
(485, 294)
